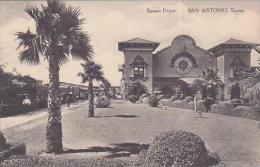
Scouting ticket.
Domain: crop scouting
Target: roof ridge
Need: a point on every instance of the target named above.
(138, 40)
(236, 41)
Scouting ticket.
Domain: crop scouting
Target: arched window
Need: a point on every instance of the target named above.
(139, 67)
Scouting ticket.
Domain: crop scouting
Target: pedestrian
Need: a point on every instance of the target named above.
(27, 104)
(68, 100)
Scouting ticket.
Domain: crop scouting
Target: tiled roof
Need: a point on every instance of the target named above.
(232, 42)
(237, 42)
(138, 43)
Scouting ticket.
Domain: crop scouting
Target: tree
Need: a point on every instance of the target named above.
(58, 36)
(92, 71)
(106, 84)
(250, 83)
(211, 76)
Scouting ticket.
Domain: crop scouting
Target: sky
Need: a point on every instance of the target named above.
(108, 23)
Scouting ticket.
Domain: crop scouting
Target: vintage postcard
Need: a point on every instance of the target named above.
(123, 83)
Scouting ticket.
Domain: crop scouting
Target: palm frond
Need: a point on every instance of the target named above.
(55, 6)
(82, 50)
(58, 51)
(70, 19)
(93, 70)
(84, 77)
(31, 48)
(29, 56)
(33, 11)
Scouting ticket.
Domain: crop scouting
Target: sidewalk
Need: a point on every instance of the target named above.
(12, 121)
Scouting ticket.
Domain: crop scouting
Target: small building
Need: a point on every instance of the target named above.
(182, 60)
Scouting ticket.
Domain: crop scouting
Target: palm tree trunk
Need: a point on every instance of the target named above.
(54, 127)
(91, 99)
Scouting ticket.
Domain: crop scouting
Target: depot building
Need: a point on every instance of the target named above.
(182, 60)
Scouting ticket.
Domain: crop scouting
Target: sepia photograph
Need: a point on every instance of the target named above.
(120, 83)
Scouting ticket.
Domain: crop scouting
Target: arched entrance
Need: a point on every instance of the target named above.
(137, 89)
(235, 91)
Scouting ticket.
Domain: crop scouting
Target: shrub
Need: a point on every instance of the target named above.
(3, 144)
(133, 98)
(14, 149)
(153, 101)
(102, 102)
(164, 102)
(178, 149)
(213, 158)
(145, 100)
(222, 108)
(188, 99)
(179, 103)
(246, 112)
(143, 96)
(160, 97)
(236, 101)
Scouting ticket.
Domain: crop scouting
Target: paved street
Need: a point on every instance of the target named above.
(235, 139)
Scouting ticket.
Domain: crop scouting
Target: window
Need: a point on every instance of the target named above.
(139, 67)
(138, 71)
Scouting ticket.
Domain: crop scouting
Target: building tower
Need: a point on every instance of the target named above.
(138, 65)
(232, 55)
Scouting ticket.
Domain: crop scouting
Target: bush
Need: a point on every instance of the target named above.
(14, 149)
(222, 108)
(160, 97)
(153, 101)
(133, 98)
(178, 149)
(143, 96)
(246, 112)
(145, 100)
(3, 144)
(102, 102)
(164, 102)
(213, 158)
(188, 99)
(236, 101)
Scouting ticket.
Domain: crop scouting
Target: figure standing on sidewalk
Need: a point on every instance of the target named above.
(27, 104)
(68, 100)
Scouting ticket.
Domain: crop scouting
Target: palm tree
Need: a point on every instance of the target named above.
(106, 84)
(211, 76)
(92, 71)
(58, 36)
(250, 83)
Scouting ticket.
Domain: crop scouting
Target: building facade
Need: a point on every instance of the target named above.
(183, 59)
